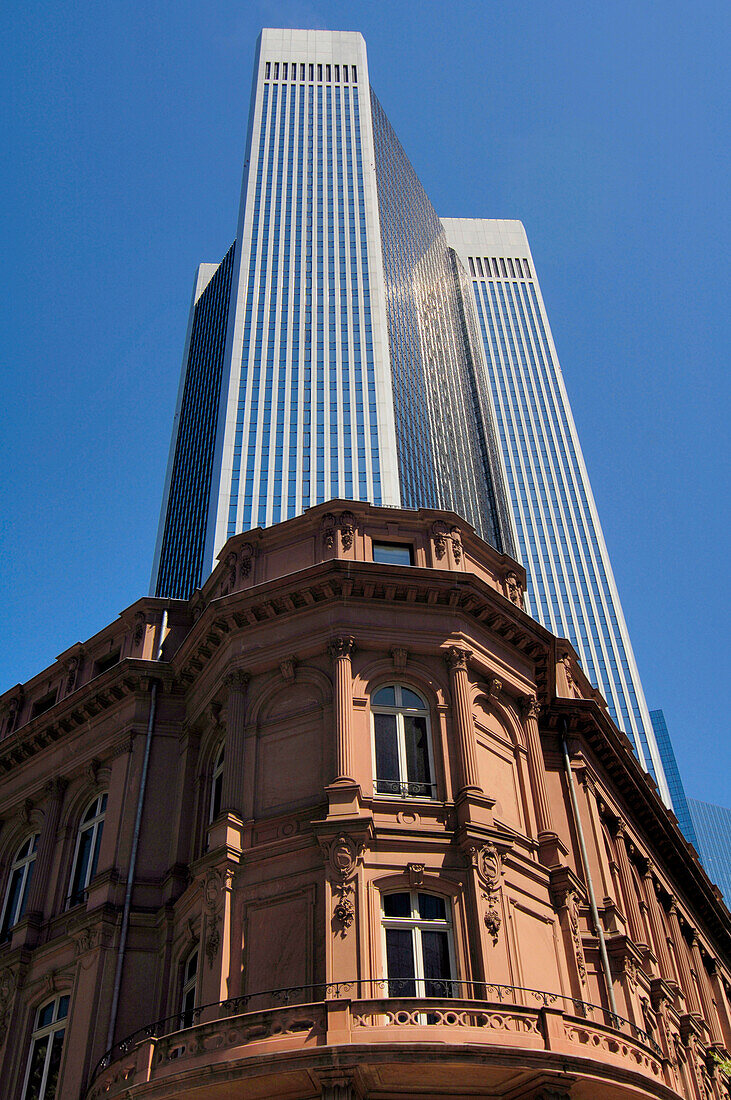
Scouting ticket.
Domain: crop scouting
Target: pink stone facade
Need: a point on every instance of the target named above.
(355, 868)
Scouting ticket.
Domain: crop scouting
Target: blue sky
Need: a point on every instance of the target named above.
(604, 127)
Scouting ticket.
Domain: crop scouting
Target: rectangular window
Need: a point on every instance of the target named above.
(393, 553)
(319, 72)
(479, 266)
(106, 662)
(512, 269)
(284, 70)
(328, 70)
(276, 70)
(354, 74)
(337, 73)
(42, 705)
(312, 72)
(472, 265)
(495, 268)
(302, 70)
(503, 268)
(345, 73)
(267, 70)
(527, 270)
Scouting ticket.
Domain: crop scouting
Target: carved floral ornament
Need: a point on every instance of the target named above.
(513, 588)
(341, 647)
(213, 886)
(442, 534)
(342, 855)
(345, 523)
(487, 863)
(457, 658)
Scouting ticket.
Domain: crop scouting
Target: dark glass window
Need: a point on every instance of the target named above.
(217, 784)
(88, 843)
(190, 981)
(393, 553)
(16, 894)
(44, 1060)
(402, 746)
(419, 953)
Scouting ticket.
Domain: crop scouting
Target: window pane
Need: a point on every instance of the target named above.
(400, 962)
(437, 971)
(417, 756)
(387, 768)
(397, 905)
(216, 801)
(63, 1008)
(431, 907)
(13, 903)
(82, 862)
(97, 846)
(411, 700)
(55, 1062)
(390, 553)
(38, 1060)
(386, 697)
(26, 889)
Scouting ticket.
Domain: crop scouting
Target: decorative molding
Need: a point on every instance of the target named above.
(496, 686)
(457, 658)
(327, 530)
(347, 529)
(341, 647)
(513, 588)
(400, 656)
(213, 885)
(439, 534)
(236, 680)
(487, 863)
(247, 553)
(531, 707)
(231, 565)
(138, 631)
(456, 544)
(416, 875)
(288, 667)
(342, 856)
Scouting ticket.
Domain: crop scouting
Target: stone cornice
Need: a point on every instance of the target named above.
(589, 722)
(89, 702)
(336, 579)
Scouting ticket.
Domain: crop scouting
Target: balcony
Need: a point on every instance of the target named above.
(276, 1035)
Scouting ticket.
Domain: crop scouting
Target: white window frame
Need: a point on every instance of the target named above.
(95, 824)
(24, 864)
(399, 711)
(189, 985)
(216, 775)
(58, 1023)
(415, 924)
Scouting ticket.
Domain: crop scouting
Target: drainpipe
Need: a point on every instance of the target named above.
(135, 842)
(587, 870)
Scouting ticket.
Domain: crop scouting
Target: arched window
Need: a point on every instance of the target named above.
(188, 992)
(44, 1060)
(403, 758)
(88, 843)
(419, 950)
(16, 895)
(217, 785)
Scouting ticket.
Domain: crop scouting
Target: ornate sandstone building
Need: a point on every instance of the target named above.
(348, 823)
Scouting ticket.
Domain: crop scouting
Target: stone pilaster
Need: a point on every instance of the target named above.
(626, 878)
(55, 789)
(704, 989)
(236, 683)
(464, 727)
(536, 767)
(681, 957)
(340, 650)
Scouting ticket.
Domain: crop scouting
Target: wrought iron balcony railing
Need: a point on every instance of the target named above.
(378, 993)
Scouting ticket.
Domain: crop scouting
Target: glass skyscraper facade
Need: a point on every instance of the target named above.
(712, 826)
(352, 344)
(558, 537)
(349, 367)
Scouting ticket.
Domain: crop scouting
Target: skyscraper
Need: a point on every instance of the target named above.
(559, 540)
(351, 344)
(318, 349)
